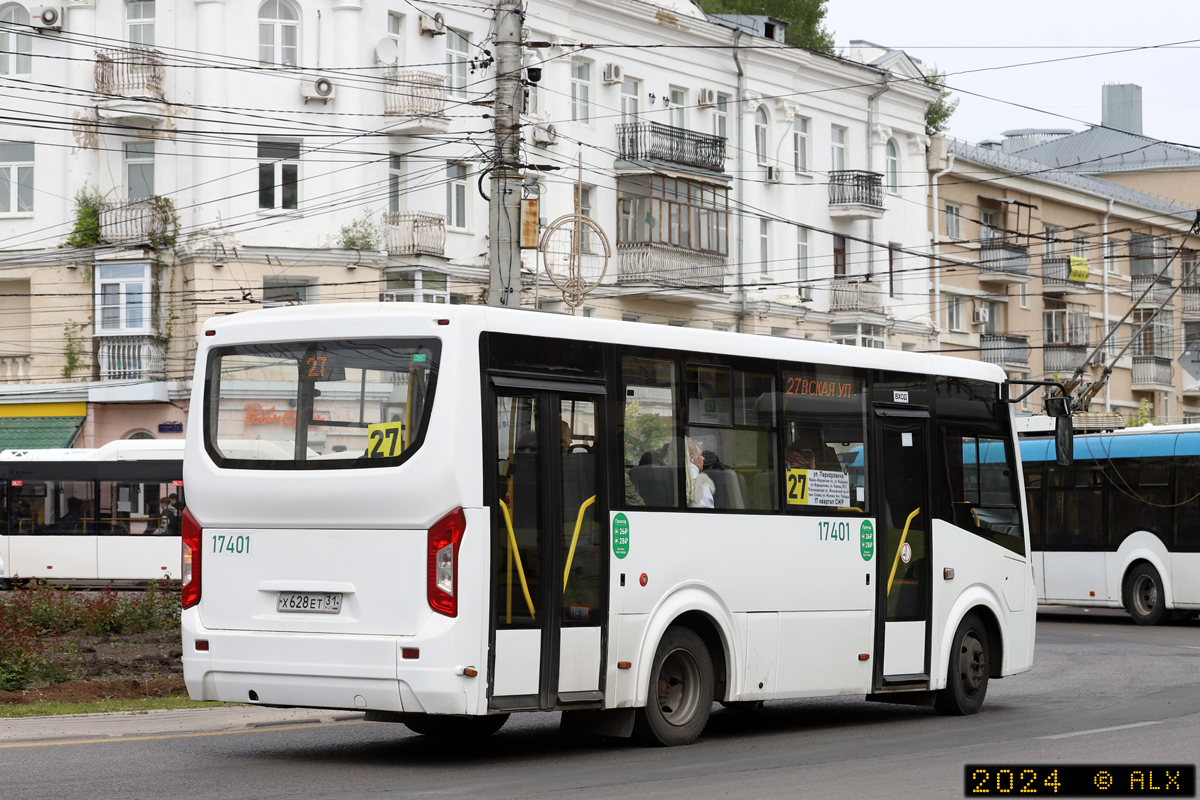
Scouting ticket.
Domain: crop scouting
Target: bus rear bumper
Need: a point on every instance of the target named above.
(321, 671)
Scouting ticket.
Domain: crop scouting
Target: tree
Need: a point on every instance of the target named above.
(937, 116)
(805, 19)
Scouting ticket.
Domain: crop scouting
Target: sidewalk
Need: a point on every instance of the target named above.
(158, 723)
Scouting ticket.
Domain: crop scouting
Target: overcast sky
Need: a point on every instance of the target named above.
(961, 37)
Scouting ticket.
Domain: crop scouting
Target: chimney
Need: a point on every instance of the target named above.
(1121, 107)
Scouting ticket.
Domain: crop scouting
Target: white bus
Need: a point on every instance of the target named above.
(92, 516)
(1120, 527)
(445, 515)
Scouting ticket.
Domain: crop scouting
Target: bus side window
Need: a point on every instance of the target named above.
(650, 431)
(1033, 494)
(980, 489)
(824, 440)
(1187, 513)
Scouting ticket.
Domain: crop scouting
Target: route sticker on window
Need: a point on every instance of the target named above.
(818, 487)
(383, 439)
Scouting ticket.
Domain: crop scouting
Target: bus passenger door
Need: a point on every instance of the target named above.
(548, 562)
(903, 606)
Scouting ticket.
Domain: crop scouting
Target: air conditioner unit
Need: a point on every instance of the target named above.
(773, 174)
(544, 135)
(708, 98)
(981, 316)
(614, 73)
(806, 294)
(51, 17)
(434, 25)
(319, 89)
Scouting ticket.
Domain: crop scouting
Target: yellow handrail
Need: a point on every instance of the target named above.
(976, 516)
(903, 536)
(512, 548)
(575, 539)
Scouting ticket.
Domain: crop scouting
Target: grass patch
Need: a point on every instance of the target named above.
(48, 708)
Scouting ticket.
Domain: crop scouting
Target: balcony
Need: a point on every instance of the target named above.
(1063, 357)
(1003, 262)
(653, 141)
(1007, 351)
(855, 194)
(1056, 277)
(124, 358)
(414, 102)
(134, 222)
(1152, 373)
(411, 233)
(663, 265)
(852, 294)
(1191, 302)
(16, 369)
(1160, 289)
(130, 82)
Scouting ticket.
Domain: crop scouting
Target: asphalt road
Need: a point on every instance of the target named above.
(1103, 691)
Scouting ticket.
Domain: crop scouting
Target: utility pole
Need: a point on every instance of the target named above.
(504, 208)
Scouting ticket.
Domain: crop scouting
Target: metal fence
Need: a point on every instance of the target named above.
(855, 295)
(855, 187)
(130, 72)
(654, 141)
(415, 232)
(132, 221)
(410, 92)
(997, 255)
(664, 265)
(1063, 357)
(1003, 349)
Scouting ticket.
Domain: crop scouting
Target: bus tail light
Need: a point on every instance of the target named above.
(190, 572)
(442, 578)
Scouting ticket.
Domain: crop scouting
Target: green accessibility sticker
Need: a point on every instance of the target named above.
(620, 535)
(866, 540)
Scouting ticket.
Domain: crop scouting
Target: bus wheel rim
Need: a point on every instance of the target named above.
(679, 687)
(1145, 595)
(972, 667)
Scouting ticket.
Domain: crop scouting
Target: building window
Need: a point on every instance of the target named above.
(837, 148)
(891, 166)
(533, 94)
(456, 196)
(1023, 295)
(721, 117)
(760, 135)
(660, 210)
(1157, 339)
(992, 326)
(122, 294)
(857, 334)
(678, 116)
(800, 144)
(395, 182)
(954, 213)
(1080, 243)
(954, 312)
(140, 16)
(631, 94)
(16, 178)
(1112, 262)
(839, 255)
(1051, 233)
(417, 286)
(583, 202)
(989, 224)
(278, 34)
(1148, 254)
(764, 246)
(631, 318)
(16, 45)
(395, 32)
(139, 170)
(802, 254)
(278, 175)
(581, 91)
(458, 60)
(1113, 345)
(1065, 323)
(287, 292)
(893, 257)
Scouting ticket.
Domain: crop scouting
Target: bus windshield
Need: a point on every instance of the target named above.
(319, 404)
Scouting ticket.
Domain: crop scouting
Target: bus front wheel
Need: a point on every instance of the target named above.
(967, 673)
(681, 691)
(1144, 596)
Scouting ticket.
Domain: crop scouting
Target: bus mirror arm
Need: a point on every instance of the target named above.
(1057, 406)
(1063, 394)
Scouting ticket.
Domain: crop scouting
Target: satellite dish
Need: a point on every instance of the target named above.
(387, 51)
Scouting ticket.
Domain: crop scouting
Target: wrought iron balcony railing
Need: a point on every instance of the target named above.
(664, 265)
(1160, 289)
(415, 233)
(130, 358)
(1004, 349)
(1056, 272)
(1156, 370)
(410, 92)
(1063, 357)
(653, 141)
(1191, 301)
(134, 221)
(856, 187)
(850, 294)
(999, 256)
(133, 72)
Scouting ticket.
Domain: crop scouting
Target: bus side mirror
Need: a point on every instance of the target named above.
(1058, 406)
(1063, 440)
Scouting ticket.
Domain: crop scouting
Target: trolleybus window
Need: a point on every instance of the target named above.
(319, 405)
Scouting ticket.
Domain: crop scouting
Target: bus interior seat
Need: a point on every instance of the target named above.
(764, 491)
(657, 484)
(728, 490)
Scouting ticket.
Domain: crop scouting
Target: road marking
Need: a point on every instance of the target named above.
(110, 740)
(1189, 647)
(1102, 730)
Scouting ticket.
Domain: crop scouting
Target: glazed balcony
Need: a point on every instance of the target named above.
(653, 141)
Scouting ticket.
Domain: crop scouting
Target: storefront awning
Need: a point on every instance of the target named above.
(38, 433)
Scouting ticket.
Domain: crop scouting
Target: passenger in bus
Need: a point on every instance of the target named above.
(701, 490)
(798, 457)
(72, 521)
(174, 515)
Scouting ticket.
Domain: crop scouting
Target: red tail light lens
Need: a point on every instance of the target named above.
(442, 578)
(190, 572)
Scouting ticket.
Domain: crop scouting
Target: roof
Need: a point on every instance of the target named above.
(1101, 149)
(35, 433)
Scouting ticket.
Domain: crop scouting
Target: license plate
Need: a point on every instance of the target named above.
(310, 602)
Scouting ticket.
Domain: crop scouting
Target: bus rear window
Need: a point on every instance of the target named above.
(319, 405)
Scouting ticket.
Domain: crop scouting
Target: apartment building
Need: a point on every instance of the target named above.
(178, 160)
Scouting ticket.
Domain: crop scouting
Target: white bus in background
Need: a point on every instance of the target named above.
(92, 516)
(458, 513)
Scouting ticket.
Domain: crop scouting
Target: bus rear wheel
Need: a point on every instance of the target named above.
(456, 727)
(681, 691)
(1144, 596)
(967, 673)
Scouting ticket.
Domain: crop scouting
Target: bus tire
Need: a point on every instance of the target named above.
(681, 691)
(967, 672)
(1144, 596)
(455, 727)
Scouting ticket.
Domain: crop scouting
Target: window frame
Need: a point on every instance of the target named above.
(954, 219)
(651, 211)
(801, 127)
(458, 199)
(16, 47)
(141, 23)
(891, 164)
(133, 160)
(278, 26)
(21, 172)
(802, 254)
(309, 285)
(581, 91)
(279, 166)
(123, 303)
(458, 63)
(838, 139)
(395, 164)
(762, 123)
